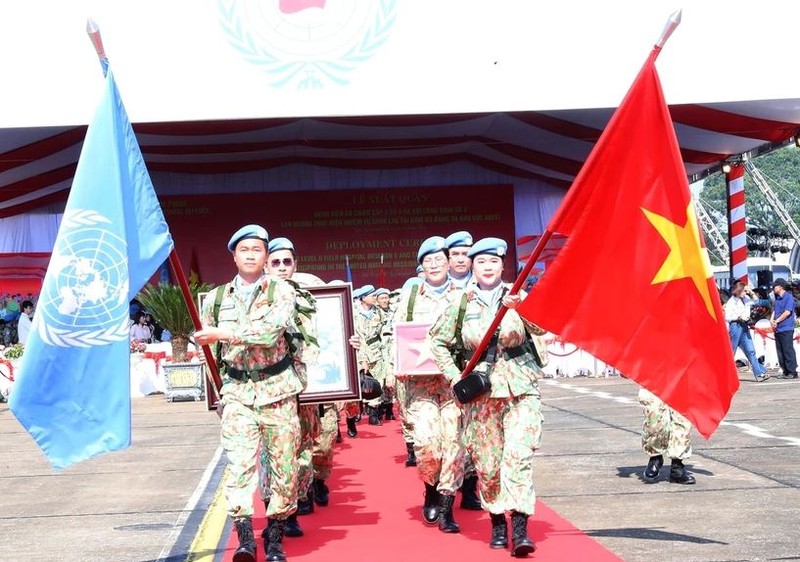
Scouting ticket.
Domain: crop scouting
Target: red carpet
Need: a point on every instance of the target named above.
(374, 515)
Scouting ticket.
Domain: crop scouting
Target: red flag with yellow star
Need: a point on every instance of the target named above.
(632, 284)
(194, 269)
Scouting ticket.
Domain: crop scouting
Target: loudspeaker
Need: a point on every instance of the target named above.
(764, 278)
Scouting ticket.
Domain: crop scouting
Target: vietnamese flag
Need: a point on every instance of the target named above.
(194, 269)
(632, 285)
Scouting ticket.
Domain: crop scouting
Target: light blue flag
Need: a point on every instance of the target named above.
(72, 393)
(347, 272)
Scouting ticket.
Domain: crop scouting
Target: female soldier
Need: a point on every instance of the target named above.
(504, 425)
(434, 416)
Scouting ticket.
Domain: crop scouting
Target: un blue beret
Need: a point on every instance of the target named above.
(278, 244)
(458, 240)
(430, 246)
(362, 292)
(249, 231)
(381, 291)
(411, 282)
(489, 246)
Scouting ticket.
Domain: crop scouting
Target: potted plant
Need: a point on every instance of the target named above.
(165, 303)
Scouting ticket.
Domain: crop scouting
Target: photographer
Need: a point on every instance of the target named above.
(737, 314)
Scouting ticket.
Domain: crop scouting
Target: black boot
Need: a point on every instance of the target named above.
(521, 545)
(411, 459)
(469, 494)
(274, 545)
(653, 468)
(306, 506)
(446, 522)
(388, 411)
(352, 431)
(678, 474)
(247, 541)
(499, 531)
(320, 492)
(292, 527)
(338, 434)
(430, 508)
(374, 416)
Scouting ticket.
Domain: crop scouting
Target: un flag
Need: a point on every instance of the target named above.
(72, 393)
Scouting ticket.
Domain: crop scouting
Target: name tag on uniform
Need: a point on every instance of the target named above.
(413, 354)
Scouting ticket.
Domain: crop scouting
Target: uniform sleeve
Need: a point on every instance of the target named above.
(442, 336)
(267, 322)
(361, 352)
(207, 313)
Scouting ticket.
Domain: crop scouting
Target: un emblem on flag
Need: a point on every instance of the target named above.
(84, 300)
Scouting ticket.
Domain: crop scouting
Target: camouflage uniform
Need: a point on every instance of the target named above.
(258, 411)
(431, 409)
(665, 431)
(368, 325)
(322, 459)
(504, 426)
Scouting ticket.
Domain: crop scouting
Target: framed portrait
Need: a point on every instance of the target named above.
(334, 376)
(412, 350)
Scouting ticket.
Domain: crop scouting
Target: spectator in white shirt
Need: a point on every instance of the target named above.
(737, 314)
(24, 322)
(141, 330)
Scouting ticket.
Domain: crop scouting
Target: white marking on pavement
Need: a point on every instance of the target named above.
(190, 505)
(746, 428)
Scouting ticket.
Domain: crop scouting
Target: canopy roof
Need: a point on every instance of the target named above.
(37, 164)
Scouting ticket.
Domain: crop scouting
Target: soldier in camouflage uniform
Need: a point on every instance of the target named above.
(665, 433)
(282, 263)
(504, 425)
(260, 388)
(430, 405)
(368, 324)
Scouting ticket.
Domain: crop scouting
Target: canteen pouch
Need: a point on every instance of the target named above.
(470, 387)
(370, 387)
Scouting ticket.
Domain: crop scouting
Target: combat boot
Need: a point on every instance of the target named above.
(292, 528)
(320, 492)
(446, 522)
(274, 546)
(430, 507)
(388, 411)
(521, 545)
(411, 459)
(678, 474)
(499, 531)
(338, 434)
(374, 416)
(306, 506)
(469, 494)
(247, 541)
(653, 468)
(352, 431)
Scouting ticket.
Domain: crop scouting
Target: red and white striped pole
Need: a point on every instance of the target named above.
(737, 227)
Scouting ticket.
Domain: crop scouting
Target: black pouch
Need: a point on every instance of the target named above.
(470, 387)
(370, 387)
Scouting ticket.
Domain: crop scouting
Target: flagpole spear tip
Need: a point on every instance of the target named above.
(93, 30)
(673, 22)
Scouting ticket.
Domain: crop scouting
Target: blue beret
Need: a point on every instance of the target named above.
(249, 231)
(430, 246)
(411, 282)
(381, 291)
(458, 240)
(420, 269)
(278, 244)
(362, 292)
(489, 246)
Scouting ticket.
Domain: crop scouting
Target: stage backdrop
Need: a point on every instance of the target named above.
(327, 227)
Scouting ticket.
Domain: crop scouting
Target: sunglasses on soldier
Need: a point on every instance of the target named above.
(286, 261)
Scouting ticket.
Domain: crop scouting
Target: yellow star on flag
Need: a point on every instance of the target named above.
(687, 258)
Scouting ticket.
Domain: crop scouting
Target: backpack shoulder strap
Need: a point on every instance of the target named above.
(462, 310)
(271, 291)
(411, 300)
(218, 301)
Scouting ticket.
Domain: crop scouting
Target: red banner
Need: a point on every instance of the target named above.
(328, 226)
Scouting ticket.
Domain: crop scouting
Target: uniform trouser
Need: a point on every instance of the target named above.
(740, 338)
(665, 431)
(243, 430)
(309, 430)
(322, 459)
(502, 435)
(437, 423)
(378, 371)
(402, 410)
(350, 409)
(784, 345)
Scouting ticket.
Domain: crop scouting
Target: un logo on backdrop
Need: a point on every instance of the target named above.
(84, 301)
(307, 44)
